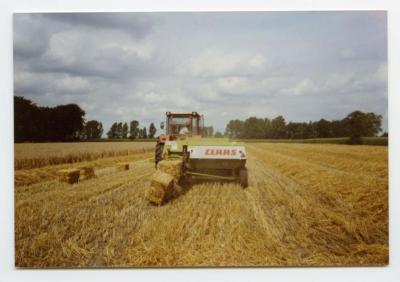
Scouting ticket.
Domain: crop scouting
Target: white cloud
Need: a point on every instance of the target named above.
(303, 87)
(213, 63)
(137, 66)
(233, 84)
(72, 85)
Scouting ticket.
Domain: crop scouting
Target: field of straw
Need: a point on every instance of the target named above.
(43, 154)
(307, 204)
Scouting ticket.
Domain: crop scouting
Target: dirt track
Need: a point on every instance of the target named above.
(306, 205)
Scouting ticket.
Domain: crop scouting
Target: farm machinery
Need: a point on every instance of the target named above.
(184, 154)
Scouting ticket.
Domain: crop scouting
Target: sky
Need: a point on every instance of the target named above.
(225, 65)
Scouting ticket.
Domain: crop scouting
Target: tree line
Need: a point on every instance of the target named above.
(39, 124)
(355, 125)
(64, 123)
(119, 130)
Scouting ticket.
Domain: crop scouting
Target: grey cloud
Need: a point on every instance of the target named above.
(135, 24)
(124, 66)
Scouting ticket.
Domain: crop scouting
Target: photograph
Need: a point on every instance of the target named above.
(200, 139)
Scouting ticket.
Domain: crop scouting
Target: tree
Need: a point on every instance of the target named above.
(125, 130)
(152, 130)
(92, 130)
(323, 128)
(254, 128)
(118, 133)
(234, 129)
(362, 125)
(112, 133)
(33, 123)
(267, 128)
(278, 127)
(144, 133)
(295, 130)
(339, 128)
(134, 129)
(208, 131)
(27, 120)
(218, 134)
(64, 122)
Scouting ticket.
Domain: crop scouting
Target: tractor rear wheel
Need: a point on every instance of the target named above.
(243, 177)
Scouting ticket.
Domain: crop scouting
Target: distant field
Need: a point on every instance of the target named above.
(307, 204)
(33, 155)
(365, 141)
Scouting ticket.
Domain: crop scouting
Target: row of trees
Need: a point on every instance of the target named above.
(355, 125)
(38, 124)
(119, 130)
(66, 123)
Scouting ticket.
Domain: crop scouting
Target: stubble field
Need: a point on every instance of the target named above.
(307, 204)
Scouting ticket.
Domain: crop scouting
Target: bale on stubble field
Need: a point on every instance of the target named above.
(161, 184)
(87, 172)
(122, 166)
(69, 175)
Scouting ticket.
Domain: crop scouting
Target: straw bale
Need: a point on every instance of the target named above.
(172, 167)
(161, 184)
(69, 175)
(87, 172)
(122, 166)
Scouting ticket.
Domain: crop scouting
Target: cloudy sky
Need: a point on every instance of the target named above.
(125, 66)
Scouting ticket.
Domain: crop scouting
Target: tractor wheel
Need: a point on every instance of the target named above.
(244, 181)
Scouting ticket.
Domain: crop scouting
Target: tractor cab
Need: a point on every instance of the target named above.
(182, 125)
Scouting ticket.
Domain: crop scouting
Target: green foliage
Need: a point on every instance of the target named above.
(134, 129)
(254, 127)
(144, 133)
(363, 124)
(92, 130)
(383, 141)
(234, 129)
(112, 133)
(278, 127)
(39, 124)
(152, 130)
(355, 125)
(125, 130)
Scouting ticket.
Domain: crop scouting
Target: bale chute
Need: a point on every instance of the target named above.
(163, 181)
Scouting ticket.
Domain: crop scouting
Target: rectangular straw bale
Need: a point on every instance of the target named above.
(88, 172)
(69, 175)
(172, 167)
(122, 166)
(161, 184)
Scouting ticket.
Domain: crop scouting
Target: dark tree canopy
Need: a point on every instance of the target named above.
(356, 125)
(125, 130)
(234, 129)
(112, 133)
(363, 125)
(92, 130)
(152, 130)
(134, 129)
(35, 124)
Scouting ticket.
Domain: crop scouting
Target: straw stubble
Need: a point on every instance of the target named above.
(306, 205)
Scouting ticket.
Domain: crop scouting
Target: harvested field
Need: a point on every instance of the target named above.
(307, 204)
(28, 155)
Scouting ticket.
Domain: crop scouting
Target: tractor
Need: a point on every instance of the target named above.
(185, 154)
